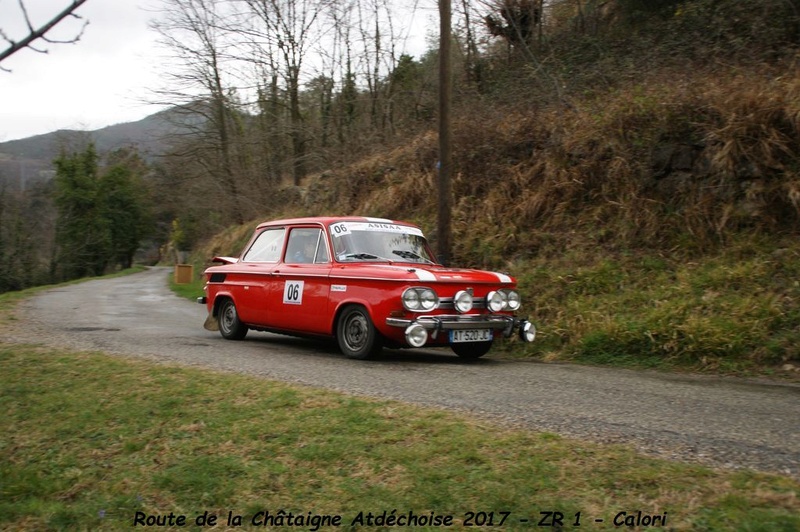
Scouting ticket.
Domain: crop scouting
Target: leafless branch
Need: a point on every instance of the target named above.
(41, 33)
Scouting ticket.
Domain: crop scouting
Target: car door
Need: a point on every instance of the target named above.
(254, 278)
(300, 289)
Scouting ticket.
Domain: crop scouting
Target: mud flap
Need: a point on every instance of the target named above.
(211, 323)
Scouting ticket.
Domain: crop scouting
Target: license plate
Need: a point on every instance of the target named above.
(470, 335)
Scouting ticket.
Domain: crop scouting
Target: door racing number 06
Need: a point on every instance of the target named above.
(293, 293)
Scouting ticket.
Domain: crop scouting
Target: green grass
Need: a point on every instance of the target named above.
(736, 311)
(190, 291)
(88, 440)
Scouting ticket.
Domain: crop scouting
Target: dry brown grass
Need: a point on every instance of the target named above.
(680, 161)
(680, 156)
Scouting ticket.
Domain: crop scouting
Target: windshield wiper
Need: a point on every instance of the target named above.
(363, 256)
(406, 254)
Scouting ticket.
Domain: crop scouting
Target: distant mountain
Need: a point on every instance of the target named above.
(28, 160)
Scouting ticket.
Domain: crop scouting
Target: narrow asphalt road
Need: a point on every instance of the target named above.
(716, 421)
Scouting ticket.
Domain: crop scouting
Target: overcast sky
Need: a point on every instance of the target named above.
(102, 80)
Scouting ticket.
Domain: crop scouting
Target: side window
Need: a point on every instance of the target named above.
(267, 247)
(306, 246)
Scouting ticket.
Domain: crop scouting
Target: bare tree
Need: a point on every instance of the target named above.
(379, 58)
(471, 60)
(40, 33)
(292, 26)
(191, 29)
(518, 22)
(345, 108)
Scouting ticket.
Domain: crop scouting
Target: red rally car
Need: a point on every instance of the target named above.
(367, 282)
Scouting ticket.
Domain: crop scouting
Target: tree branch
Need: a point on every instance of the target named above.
(42, 31)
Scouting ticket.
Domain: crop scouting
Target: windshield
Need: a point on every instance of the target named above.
(378, 241)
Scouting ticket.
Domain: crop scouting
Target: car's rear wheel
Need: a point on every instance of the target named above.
(230, 326)
(471, 349)
(357, 335)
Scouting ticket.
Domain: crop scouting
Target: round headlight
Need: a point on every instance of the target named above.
(428, 299)
(416, 335)
(513, 301)
(527, 331)
(495, 301)
(463, 301)
(411, 299)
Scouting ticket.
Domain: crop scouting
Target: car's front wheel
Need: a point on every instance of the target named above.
(357, 335)
(471, 349)
(230, 326)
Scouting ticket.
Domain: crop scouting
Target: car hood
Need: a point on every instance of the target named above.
(420, 272)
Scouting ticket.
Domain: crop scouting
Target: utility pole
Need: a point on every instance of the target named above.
(445, 152)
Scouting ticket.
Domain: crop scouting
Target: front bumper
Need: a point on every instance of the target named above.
(433, 325)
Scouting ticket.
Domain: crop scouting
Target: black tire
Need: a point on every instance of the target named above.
(230, 327)
(471, 349)
(357, 336)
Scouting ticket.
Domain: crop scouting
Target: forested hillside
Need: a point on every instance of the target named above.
(643, 123)
(635, 163)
